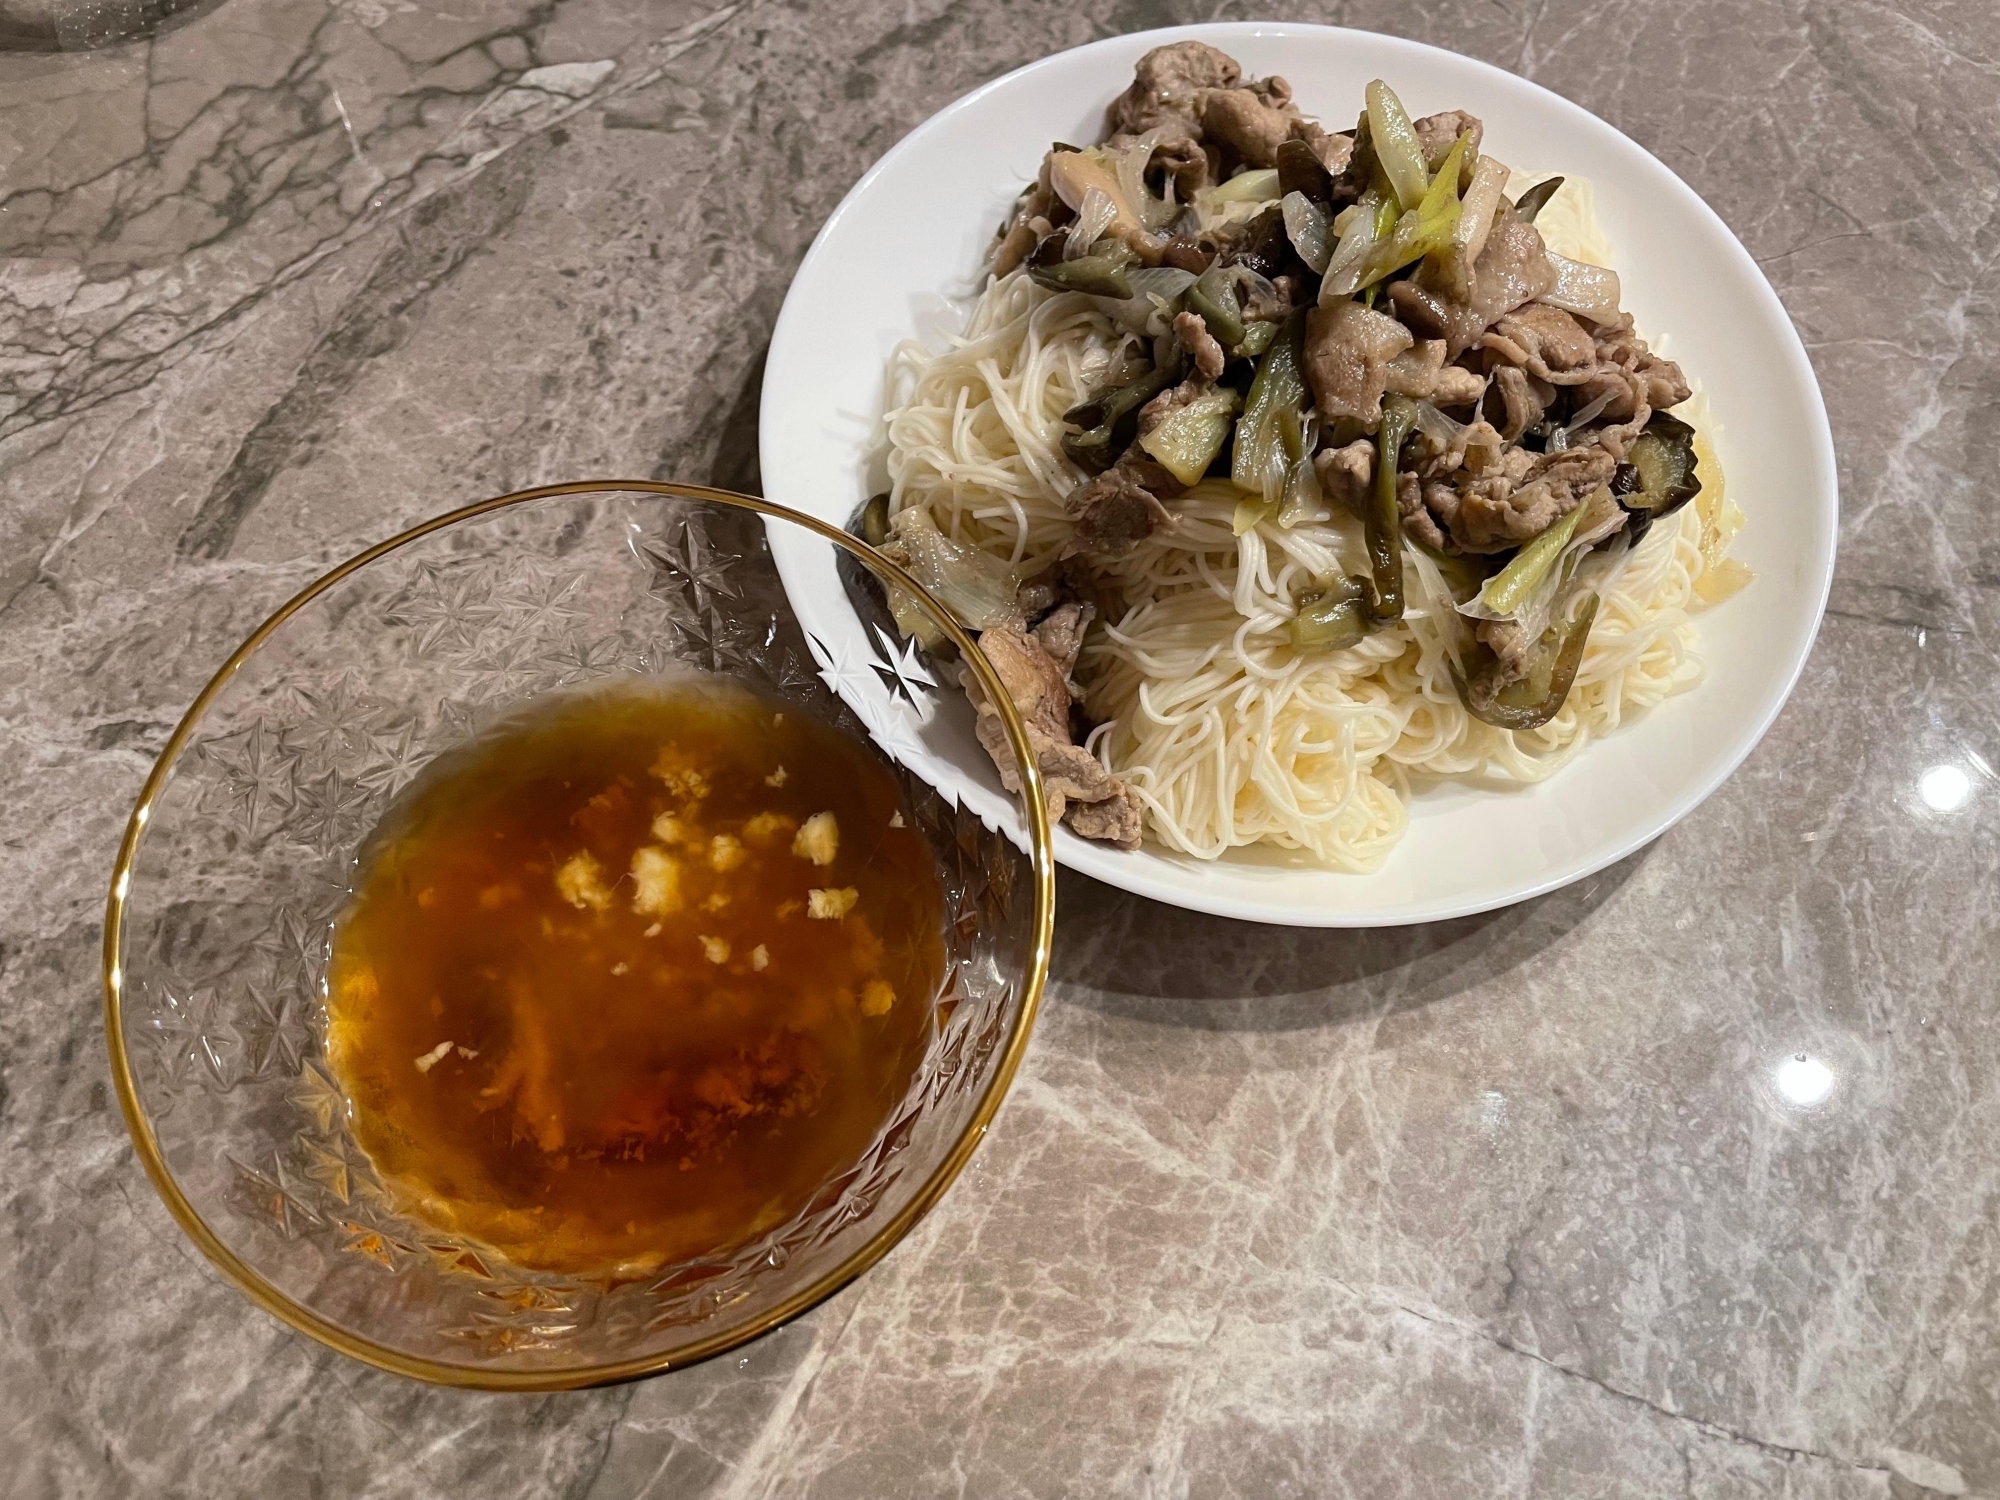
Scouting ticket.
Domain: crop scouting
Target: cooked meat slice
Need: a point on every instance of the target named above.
(1038, 683)
(1417, 521)
(1623, 383)
(1346, 473)
(1166, 90)
(1347, 351)
(1185, 160)
(1525, 400)
(1252, 122)
(1625, 390)
(1512, 269)
(1625, 408)
(1545, 341)
(1414, 372)
(1426, 311)
(1181, 68)
(1495, 511)
(1069, 772)
(1060, 635)
(1121, 507)
(1200, 345)
(1438, 133)
(1509, 641)
(1617, 344)
(1208, 359)
(1334, 151)
(1117, 819)
(1457, 386)
(1135, 112)
(1035, 680)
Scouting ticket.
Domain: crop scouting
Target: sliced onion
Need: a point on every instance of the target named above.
(1304, 502)
(1590, 413)
(1475, 215)
(1159, 281)
(1249, 284)
(1439, 428)
(1154, 289)
(1586, 290)
(977, 587)
(1097, 214)
(1350, 257)
(1130, 163)
(1311, 234)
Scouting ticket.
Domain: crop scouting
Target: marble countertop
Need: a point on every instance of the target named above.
(1511, 1205)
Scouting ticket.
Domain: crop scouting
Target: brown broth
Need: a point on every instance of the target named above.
(551, 1044)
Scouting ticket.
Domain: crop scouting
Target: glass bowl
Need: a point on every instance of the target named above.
(242, 849)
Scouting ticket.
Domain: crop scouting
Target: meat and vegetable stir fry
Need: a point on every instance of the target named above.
(1345, 326)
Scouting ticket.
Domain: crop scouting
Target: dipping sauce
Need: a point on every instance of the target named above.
(625, 980)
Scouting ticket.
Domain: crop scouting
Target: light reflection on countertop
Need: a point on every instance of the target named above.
(1804, 1080)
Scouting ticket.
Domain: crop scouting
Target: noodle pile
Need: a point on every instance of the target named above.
(1228, 734)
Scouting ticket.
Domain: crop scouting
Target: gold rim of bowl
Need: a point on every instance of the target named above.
(288, 1310)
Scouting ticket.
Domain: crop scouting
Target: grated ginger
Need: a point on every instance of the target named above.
(656, 875)
(580, 882)
(831, 905)
(819, 839)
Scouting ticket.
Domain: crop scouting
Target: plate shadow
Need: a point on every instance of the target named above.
(1125, 955)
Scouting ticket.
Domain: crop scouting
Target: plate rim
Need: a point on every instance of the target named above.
(1141, 879)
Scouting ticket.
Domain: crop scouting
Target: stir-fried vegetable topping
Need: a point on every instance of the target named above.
(1213, 299)
(1512, 584)
(1099, 273)
(1537, 198)
(1383, 524)
(1362, 323)
(1531, 700)
(1397, 147)
(977, 587)
(1278, 395)
(1658, 476)
(1096, 432)
(1188, 438)
(1333, 619)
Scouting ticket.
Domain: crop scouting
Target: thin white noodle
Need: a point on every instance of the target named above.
(1227, 734)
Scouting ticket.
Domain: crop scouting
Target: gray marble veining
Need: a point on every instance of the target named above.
(1515, 1205)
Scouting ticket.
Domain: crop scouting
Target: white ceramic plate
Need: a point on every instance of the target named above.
(910, 236)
